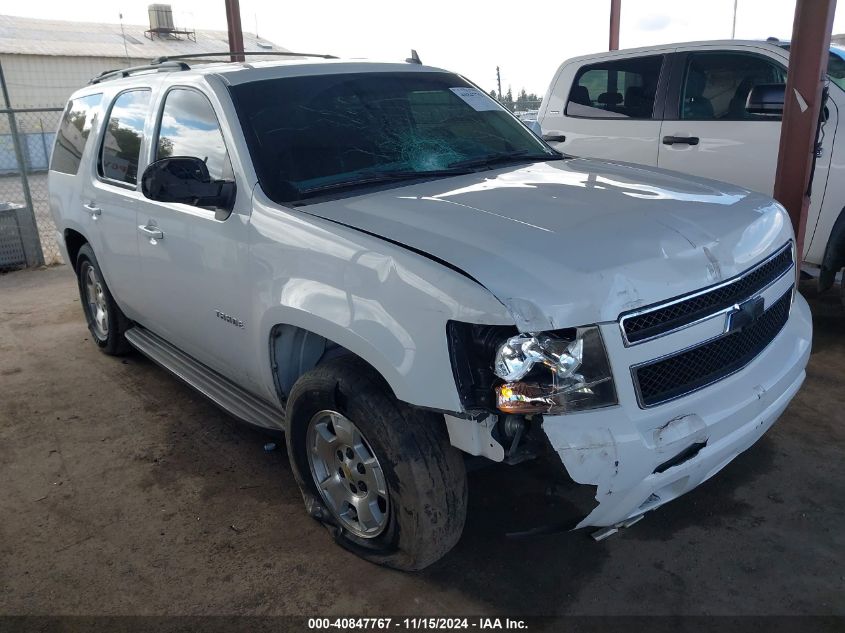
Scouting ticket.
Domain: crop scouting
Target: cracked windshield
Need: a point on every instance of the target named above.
(339, 134)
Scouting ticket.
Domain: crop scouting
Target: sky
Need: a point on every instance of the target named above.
(527, 41)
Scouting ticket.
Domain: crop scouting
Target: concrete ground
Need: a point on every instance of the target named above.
(124, 492)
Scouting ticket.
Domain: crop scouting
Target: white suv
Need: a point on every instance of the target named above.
(385, 264)
(709, 109)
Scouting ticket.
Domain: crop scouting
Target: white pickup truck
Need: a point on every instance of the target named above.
(709, 109)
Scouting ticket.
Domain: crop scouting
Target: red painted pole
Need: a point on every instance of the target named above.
(808, 55)
(236, 35)
(615, 11)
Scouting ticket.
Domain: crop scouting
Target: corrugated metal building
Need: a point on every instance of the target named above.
(44, 61)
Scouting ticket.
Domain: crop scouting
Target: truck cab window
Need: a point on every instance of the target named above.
(623, 89)
(716, 85)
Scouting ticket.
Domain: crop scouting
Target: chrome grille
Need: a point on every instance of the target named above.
(652, 321)
(674, 376)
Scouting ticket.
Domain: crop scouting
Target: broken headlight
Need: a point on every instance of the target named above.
(551, 373)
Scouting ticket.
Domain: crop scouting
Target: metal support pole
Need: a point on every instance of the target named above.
(236, 34)
(30, 239)
(615, 11)
(44, 144)
(808, 57)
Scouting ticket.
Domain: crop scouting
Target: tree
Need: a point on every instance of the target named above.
(522, 100)
(507, 100)
(527, 101)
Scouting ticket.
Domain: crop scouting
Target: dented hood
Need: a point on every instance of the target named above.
(573, 242)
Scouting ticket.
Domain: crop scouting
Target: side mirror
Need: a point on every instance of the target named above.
(534, 126)
(766, 99)
(186, 179)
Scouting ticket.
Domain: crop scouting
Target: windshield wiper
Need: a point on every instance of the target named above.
(454, 169)
(381, 177)
(507, 157)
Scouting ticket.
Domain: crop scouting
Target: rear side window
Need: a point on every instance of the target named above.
(73, 133)
(618, 89)
(716, 85)
(124, 132)
(189, 127)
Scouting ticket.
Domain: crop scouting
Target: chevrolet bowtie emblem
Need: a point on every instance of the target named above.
(744, 314)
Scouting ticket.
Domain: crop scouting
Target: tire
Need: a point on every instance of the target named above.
(422, 515)
(105, 320)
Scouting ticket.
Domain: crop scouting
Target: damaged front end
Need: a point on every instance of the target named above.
(509, 381)
(560, 389)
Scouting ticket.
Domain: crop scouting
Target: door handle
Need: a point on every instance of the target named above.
(680, 140)
(93, 210)
(152, 232)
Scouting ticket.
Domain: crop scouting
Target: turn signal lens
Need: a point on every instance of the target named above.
(521, 397)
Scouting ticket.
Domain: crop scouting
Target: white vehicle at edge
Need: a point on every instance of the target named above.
(709, 109)
(382, 262)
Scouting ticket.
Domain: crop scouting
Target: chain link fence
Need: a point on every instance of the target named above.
(27, 231)
(26, 141)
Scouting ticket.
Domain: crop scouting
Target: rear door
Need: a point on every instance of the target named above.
(608, 109)
(707, 130)
(111, 195)
(194, 260)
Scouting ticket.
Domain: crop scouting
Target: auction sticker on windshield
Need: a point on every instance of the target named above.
(476, 99)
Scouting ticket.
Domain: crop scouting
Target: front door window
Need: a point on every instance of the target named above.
(716, 86)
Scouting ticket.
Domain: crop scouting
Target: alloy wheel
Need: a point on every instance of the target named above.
(347, 473)
(97, 306)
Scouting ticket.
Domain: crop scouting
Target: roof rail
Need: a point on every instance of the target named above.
(166, 58)
(126, 72)
(170, 62)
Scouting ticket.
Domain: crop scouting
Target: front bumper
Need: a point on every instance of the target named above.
(618, 449)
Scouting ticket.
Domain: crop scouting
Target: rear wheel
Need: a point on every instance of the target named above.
(105, 320)
(381, 475)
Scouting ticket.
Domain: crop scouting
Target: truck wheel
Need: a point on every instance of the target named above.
(378, 473)
(105, 320)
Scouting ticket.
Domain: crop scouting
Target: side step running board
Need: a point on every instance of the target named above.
(222, 391)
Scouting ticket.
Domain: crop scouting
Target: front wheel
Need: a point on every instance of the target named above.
(379, 473)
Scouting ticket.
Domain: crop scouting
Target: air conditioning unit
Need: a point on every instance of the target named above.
(12, 253)
(161, 18)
